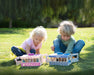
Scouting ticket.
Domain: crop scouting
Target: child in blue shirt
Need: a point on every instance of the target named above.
(65, 42)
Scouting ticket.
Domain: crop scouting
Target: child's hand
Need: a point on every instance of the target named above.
(52, 47)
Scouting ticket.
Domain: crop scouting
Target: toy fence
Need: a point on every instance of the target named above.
(30, 60)
(62, 59)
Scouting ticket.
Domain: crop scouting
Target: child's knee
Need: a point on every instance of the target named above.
(81, 42)
(56, 42)
(78, 46)
(13, 48)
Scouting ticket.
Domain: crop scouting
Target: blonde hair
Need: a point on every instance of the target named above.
(41, 31)
(67, 27)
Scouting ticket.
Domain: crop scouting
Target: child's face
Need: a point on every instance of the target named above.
(65, 37)
(37, 39)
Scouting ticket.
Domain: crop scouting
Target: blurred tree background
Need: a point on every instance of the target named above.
(48, 13)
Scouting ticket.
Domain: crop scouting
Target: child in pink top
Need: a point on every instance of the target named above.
(33, 43)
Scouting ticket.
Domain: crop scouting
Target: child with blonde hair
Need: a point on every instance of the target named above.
(33, 43)
(65, 42)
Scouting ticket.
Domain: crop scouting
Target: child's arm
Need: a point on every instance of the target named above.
(52, 48)
(27, 49)
(37, 51)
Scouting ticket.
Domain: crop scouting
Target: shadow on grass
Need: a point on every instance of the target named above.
(12, 72)
(11, 31)
(7, 63)
(62, 68)
(87, 59)
(91, 48)
(93, 38)
(35, 67)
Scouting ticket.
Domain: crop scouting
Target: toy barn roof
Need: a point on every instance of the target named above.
(59, 55)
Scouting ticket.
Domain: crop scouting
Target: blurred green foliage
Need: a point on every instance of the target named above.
(32, 13)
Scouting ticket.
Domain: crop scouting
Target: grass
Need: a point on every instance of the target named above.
(15, 36)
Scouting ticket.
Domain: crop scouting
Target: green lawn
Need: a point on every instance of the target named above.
(10, 37)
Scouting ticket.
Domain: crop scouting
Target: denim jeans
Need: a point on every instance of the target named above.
(60, 47)
(19, 52)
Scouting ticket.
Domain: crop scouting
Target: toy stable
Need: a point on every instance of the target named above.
(62, 59)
